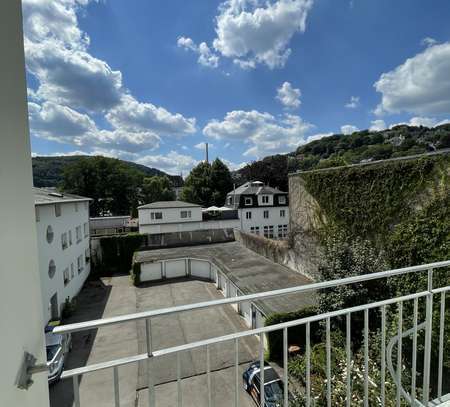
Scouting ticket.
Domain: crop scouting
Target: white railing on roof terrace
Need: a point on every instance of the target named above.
(391, 371)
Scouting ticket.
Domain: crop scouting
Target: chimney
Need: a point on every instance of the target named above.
(207, 155)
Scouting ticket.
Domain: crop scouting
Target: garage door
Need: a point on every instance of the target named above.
(233, 293)
(246, 311)
(151, 272)
(175, 268)
(200, 268)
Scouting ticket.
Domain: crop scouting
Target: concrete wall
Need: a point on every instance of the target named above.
(20, 292)
(67, 258)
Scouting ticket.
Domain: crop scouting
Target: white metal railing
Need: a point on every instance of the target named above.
(386, 351)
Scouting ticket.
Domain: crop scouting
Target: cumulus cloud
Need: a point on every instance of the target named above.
(233, 166)
(377, 125)
(348, 129)
(421, 85)
(318, 136)
(264, 133)
(288, 96)
(354, 102)
(173, 163)
(202, 146)
(73, 85)
(206, 57)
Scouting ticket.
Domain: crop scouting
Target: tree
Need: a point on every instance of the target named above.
(221, 182)
(157, 189)
(197, 188)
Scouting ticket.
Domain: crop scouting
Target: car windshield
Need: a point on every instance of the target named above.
(51, 352)
(274, 391)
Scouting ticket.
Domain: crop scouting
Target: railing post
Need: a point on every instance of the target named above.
(428, 332)
(151, 384)
(285, 367)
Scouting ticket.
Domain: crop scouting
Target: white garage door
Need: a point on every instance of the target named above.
(246, 311)
(175, 268)
(233, 293)
(200, 268)
(151, 272)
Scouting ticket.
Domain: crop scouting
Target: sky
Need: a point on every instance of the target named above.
(153, 81)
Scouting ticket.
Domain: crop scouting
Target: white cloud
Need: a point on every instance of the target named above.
(202, 146)
(318, 137)
(348, 129)
(264, 133)
(136, 116)
(377, 125)
(205, 56)
(174, 163)
(288, 96)
(428, 42)
(354, 102)
(423, 121)
(233, 166)
(252, 32)
(421, 85)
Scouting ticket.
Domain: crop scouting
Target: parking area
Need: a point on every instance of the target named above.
(120, 297)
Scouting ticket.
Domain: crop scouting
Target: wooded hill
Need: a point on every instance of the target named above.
(339, 149)
(49, 171)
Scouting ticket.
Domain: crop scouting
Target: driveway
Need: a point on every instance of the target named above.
(128, 339)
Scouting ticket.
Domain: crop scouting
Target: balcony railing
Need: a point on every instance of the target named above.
(405, 393)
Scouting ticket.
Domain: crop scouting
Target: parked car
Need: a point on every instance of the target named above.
(57, 346)
(273, 385)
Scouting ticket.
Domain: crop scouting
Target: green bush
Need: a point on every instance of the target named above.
(136, 274)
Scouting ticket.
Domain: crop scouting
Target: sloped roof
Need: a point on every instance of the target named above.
(43, 196)
(249, 188)
(168, 204)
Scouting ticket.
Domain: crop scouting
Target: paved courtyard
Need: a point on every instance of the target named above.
(115, 296)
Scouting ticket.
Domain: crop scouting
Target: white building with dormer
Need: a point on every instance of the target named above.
(262, 210)
(62, 226)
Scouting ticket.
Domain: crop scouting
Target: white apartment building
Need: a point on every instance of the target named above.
(62, 225)
(179, 216)
(262, 210)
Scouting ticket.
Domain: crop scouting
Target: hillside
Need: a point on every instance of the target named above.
(339, 149)
(48, 171)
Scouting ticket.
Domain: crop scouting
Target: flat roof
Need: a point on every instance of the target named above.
(44, 196)
(249, 271)
(168, 204)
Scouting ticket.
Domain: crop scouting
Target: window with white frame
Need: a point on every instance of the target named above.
(186, 214)
(282, 213)
(80, 263)
(282, 200)
(57, 209)
(248, 215)
(70, 238)
(156, 215)
(254, 230)
(265, 199)
(282, 231)
(78, 233)
(51, 268)
(268, 231)
(86, 229)
(266, 214)
(49, 234)
(66, 276)
(64, 241)
(248, 201)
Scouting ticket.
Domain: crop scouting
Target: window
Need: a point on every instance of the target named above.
(282, 213)
(72, 273)
(64, 241)
(36, 214)
(282, 231)
(248, 215)
(254, 230)
(248, 201)
(78, 231)
(155, 215)
(80, 263)
(49, 234)
(51, 268)
(281, 200)
(70, 238)
(265, 199)
(268, 231)
(186, 214)
(266, 214)
(66, 276)
(57, 210)
(86, 229)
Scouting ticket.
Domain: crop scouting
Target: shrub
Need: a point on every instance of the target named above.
(69, 308)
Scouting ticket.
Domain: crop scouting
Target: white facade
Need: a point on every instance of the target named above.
(271, 222)
(20, 292)
(63, 248)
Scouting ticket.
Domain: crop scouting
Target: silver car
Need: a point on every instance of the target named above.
(58, 346)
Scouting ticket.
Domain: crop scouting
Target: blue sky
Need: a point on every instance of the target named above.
(151, 81)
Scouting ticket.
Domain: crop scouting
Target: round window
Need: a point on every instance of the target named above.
(51, 269)
(49, 234)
